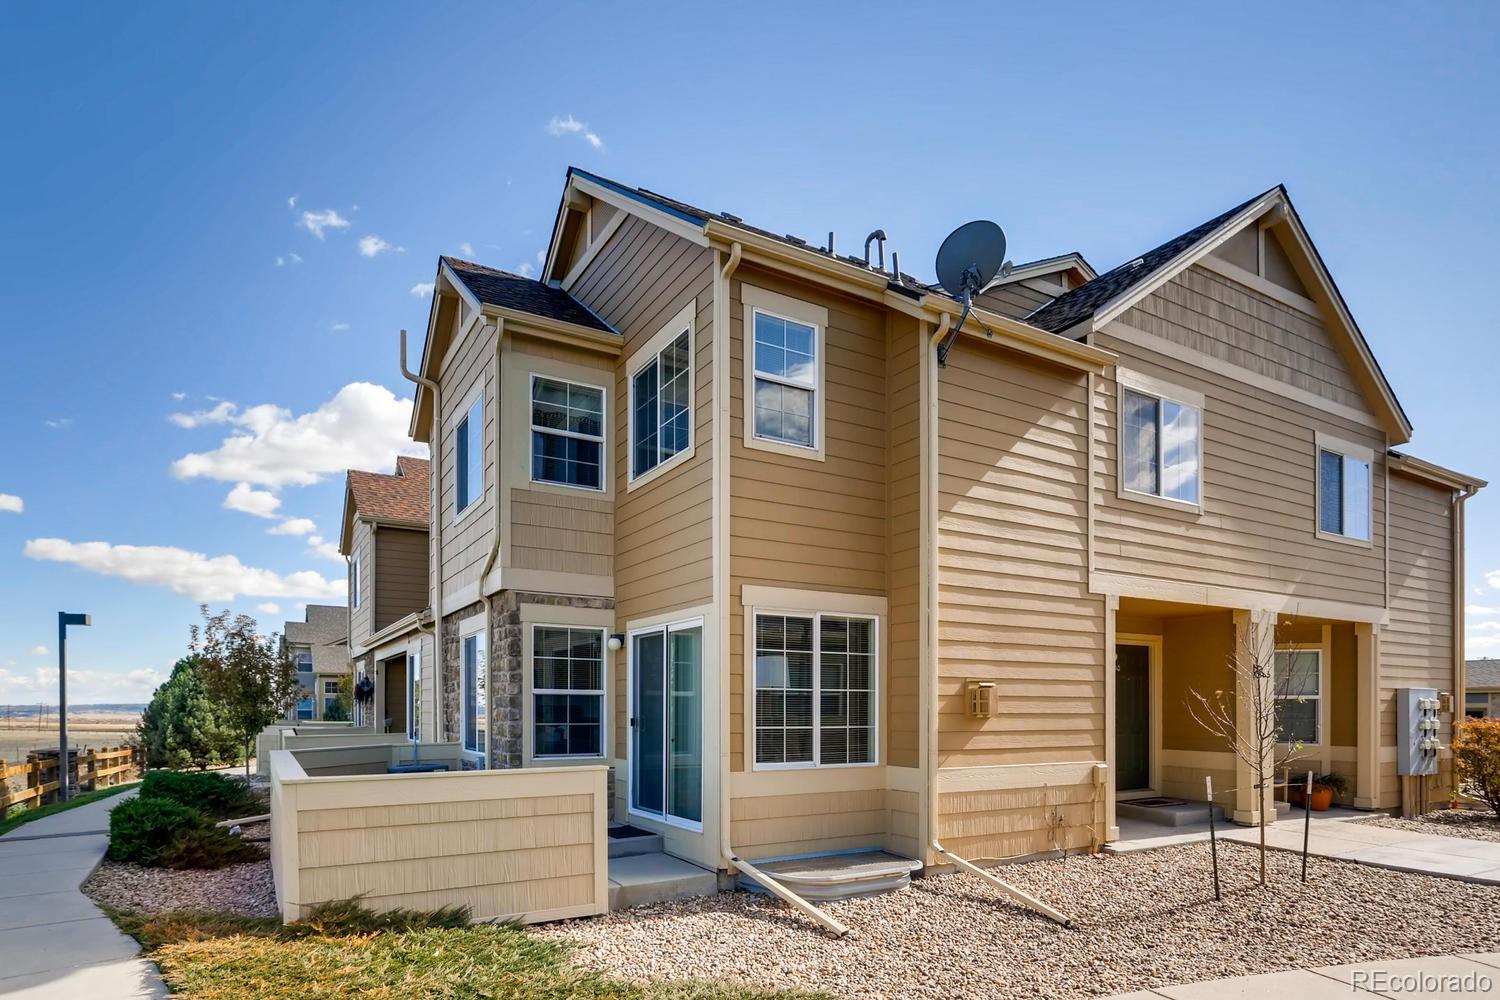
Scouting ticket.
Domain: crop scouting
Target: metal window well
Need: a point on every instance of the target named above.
(827, 877)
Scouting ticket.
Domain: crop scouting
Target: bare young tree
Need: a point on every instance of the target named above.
(1252, 719)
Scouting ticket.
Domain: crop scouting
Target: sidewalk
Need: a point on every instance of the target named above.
(55, 944)
(1474, 975)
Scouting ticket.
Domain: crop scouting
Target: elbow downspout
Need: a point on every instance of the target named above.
(485, 600)
(930, 599)
(435, 559)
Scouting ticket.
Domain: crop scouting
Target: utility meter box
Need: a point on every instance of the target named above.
(1417, 730)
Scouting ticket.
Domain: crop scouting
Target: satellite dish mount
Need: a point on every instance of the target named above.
(969, 259)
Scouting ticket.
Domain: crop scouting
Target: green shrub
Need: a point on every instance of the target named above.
(141, 829)
(211, 794)
(1476, 760)
(207, 846)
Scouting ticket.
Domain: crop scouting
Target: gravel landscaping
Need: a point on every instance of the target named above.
(245, 890)
(1142, 920)
(1464, 823)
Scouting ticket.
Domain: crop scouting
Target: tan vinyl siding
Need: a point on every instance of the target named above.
(561, 534)
(466, 539)
(904, 634)
(771, 826)
(1014, 601)
(1017, 298)
(1416, 647)
(363, 550)
(798, 522)
(1207, 312)
(400, 587)
(1258, 526)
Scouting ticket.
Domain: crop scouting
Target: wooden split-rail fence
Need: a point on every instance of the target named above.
(34, 782)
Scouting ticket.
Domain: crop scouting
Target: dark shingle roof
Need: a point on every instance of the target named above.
(513, 291)
(1482, 674)
(399, 497)
(1082, 302)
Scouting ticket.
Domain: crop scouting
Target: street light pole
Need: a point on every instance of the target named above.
(64, 619)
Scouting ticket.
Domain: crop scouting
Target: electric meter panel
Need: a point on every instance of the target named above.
(1417, 727)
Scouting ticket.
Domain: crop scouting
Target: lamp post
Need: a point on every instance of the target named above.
(64, 619)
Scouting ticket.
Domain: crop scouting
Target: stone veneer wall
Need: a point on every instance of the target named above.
(507, 680)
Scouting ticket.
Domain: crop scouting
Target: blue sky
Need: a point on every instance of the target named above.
(222, 211)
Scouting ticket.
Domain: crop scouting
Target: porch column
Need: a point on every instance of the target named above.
(1367, 753)
(1254, 640)
(1111, 786)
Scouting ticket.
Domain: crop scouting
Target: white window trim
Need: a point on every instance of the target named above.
(1156, 388)
(666, 627)
(1360, 453)
(602, 692)
(476, 395)
(471, 627)
(1321, 697)
(686, 319)
(603, 438)
(784, 307)
(876, 708)
(414, 694)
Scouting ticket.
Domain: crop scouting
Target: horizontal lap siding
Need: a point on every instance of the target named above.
(1015, 299)
(904, 638)
(1014, 605)
(401, 589)
(561, 533)
(797, 522)
(363, 548)
(663, 531)
(771, 826)
(1017, 822)
(466, 540)
(1257, 530)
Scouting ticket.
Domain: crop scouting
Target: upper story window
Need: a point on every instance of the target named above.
(1343, 489)
(784, 367)
(1161, 440)
(567, 687)
(355, 590)
(814, 690)
(661, 400)
(567, 433)
(469, 444)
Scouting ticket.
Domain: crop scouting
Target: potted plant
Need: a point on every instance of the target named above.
(1325, 787)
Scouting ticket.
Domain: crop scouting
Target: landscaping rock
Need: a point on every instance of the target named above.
(1464, 823)
(244, 889)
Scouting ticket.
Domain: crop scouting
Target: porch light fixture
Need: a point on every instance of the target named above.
(615, 642)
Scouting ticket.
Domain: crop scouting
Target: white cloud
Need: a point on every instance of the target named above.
(220, 414)
(318, 223)
(248, 500)
(466, 248)
(191, 574)
(319, 546)
(12, 504)
(339, 327)
(295, 526)
(1481, 643)
(59, 423)
(362, 427)
(1480, 609)
(39, 651)
(291, 258)
(269, 608)
(179, 396)
(524, 269)
(541, 257)
(374, 246)
(291, 202)
(86, 686)
(423, 289)
(572, 126)
(1493, 578)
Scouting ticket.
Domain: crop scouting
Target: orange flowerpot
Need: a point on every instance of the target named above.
(1322, 798)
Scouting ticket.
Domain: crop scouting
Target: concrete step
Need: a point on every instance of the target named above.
(627, 841)
(638, 879)
(827, 877)
(1165, 811)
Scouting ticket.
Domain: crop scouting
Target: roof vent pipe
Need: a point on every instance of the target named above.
(877, 235)
(896, 266)
(831, 252)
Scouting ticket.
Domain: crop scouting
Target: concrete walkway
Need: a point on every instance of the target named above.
(1336, 835)
(1474, 975)
(54, 942)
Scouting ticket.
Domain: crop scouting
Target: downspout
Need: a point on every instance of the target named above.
(1460, 666)
(929, 635)
(435, 559)
(721, 596)
(485, 600)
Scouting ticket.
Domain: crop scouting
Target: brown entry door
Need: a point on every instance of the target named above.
(1132, 717)
(395, 695)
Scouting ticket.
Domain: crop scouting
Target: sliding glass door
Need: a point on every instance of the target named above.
(666, 722)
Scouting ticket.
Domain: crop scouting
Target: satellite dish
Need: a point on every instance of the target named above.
(970, 257)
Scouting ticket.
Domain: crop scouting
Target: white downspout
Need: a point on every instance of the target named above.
(435, 559)
(930, 599)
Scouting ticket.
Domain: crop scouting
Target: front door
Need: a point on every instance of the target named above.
(666, 723)
(1132, 717)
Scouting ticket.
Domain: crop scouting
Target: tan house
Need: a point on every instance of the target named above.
(317, 647)
(1482, 689)
(707, 509)
(384, 538)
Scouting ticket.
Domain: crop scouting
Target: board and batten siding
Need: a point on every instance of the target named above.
(663, 530)
(1416, 646)
(400, 586)
(470, 364)
(362, 549)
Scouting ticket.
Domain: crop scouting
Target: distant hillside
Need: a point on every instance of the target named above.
(119, 708)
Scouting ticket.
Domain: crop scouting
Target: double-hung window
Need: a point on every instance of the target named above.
(567, 690)
(330, 696)
(786, 380)
(661, 402)
(567, 433)
(1161, 452)
(1297, 685)
(469, 445)
(1343, 490)
(474, 680)
(815, 689)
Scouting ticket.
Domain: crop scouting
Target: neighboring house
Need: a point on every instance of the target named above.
(384, 537)
(1482, 689)
(319, 649)
(707, 509)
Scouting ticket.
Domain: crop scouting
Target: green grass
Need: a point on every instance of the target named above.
(26, 816)
(344, 951)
